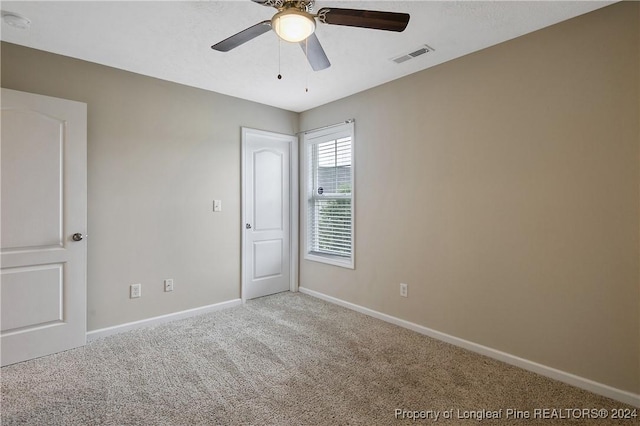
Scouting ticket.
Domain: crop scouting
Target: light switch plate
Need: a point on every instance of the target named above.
(168, 284)
(217, 205)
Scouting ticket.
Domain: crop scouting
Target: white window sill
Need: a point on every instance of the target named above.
(342, 262)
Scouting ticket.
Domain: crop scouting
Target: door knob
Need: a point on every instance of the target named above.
(77, 236)
(248, 226)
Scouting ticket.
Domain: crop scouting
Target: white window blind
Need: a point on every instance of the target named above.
(330, 196)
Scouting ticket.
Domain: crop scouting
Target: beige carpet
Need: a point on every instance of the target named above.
(287, 359)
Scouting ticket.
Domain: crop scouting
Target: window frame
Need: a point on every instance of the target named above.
(316, 137)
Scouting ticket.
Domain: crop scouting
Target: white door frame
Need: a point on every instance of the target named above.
(293, 206)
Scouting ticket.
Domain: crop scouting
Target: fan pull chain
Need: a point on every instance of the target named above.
(279, 57)
(306, 51)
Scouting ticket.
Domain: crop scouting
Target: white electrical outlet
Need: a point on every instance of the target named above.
(217, 205)
(135, 291)
(404, 289)
(168, 284)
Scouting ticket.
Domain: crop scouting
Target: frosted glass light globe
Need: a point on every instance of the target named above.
(293, 25)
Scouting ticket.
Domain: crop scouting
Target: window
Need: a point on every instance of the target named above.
(328, 210)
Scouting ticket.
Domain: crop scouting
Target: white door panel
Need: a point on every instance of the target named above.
(268, 258)
(19, 284)
(267, 250)
(31, 196)
(43, 203)
(269, 185)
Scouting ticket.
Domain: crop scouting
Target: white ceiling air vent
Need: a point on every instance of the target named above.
(419, 51)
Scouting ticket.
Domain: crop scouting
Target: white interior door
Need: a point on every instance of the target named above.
(269, 210)
(43, 204)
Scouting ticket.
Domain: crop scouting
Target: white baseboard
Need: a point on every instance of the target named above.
(553, 373)
(108, 331)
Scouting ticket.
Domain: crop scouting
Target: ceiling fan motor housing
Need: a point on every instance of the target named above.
(305, 5)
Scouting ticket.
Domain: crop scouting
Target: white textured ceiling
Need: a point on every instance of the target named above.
(171, 40)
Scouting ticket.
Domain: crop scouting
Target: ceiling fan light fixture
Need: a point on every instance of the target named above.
(293, 25)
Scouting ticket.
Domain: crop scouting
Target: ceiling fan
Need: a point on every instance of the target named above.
(295, 22)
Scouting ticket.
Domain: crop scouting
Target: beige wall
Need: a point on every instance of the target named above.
(503, 188)
(158, 155)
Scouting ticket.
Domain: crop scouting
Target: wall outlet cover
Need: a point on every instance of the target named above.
(404, 289)
(135, 291)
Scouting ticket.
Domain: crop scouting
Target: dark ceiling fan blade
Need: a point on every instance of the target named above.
(388, 21)
(242, 37)
(315, 53)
